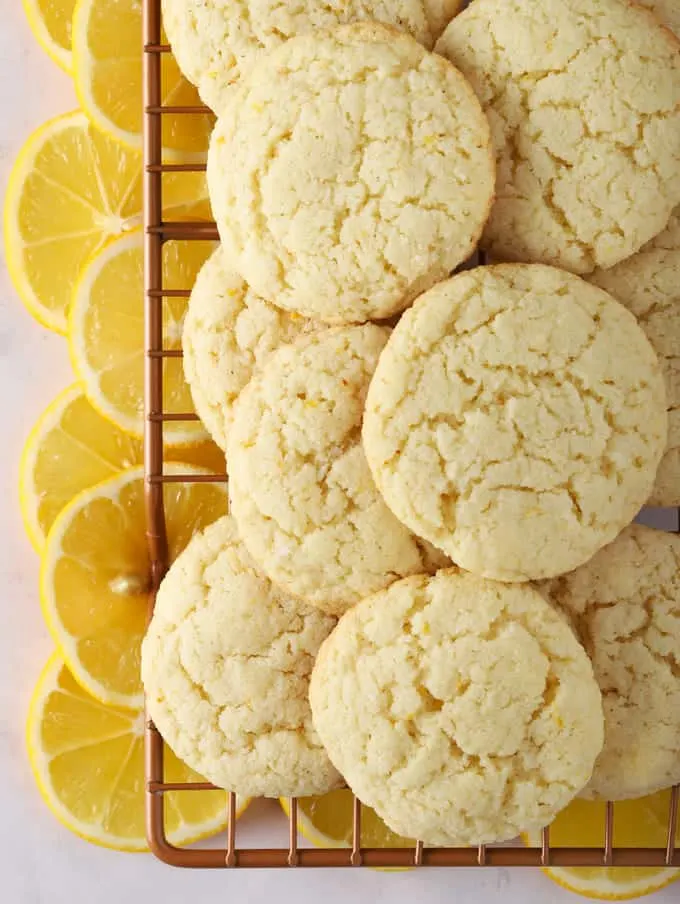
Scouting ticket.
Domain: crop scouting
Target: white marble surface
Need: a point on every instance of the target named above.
(40, 862)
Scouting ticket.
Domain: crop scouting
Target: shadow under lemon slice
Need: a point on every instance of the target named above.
(637, 823)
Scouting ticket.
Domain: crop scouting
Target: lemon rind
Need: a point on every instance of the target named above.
(58, 54)
(64, 641)
(45, 684)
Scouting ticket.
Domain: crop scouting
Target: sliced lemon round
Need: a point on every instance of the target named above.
(637, 823)
(107, 69)
(326, 821)
(88, 762)
(70, 190)
(204, 454)
(106, 332)
(72, 447)
(50, 21)
(95, 575)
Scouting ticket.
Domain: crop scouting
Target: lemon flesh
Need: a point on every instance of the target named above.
(95, 575)
(88, 762)
(50, 21)
(107, 69)
(106, 333)
(637, 823)
(71, 189)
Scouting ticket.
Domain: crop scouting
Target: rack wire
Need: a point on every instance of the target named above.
(157, 233)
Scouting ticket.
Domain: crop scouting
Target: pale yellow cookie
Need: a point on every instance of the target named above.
(463, 711)
(216, 41)
(649, 285)
(625, 607)
(229, 332)
(351, 171)
(668, 11)
(301, 491)
(226, 664)
(584, 104)
(516, 419)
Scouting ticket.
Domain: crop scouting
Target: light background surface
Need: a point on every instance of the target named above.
(40, 862)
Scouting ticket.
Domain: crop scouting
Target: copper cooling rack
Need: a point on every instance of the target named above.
(157, 232)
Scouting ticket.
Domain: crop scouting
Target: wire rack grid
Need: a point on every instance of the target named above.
(157, 232)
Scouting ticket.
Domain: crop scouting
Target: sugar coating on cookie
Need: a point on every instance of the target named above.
(584, 104)
(352, 170)
(625, 607)
(649, 285)
(463, 711)
(300, 488)
(216, 41)
(226, 664)
(228, 332)
(516, 420)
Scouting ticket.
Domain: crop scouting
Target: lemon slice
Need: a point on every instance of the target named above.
(107, 68)
(95, 575)
(88, 762)
(637, 823)
(50, 21)
(326, 822)
(70, 190)
(106, 332)
(72, 447)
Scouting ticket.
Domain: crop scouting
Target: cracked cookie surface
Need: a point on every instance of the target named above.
(668, 11)
(649, 285)
(216, 41)
(625, 607)
(583, 98)
(226, 664)
(516, 420)
(228, 332)
(300, 488)
(462, 710)
(351, 171)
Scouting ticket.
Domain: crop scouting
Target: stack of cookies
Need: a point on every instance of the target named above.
(428, 586)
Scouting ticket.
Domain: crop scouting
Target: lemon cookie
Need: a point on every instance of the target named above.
(300, 488)
(625, 606)
(352, 170)
(462, 710)
(516, 419)
(228, 332)
(226, 664)
(667, 11)
(649, 285)
(584, 105)
(216, 41)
